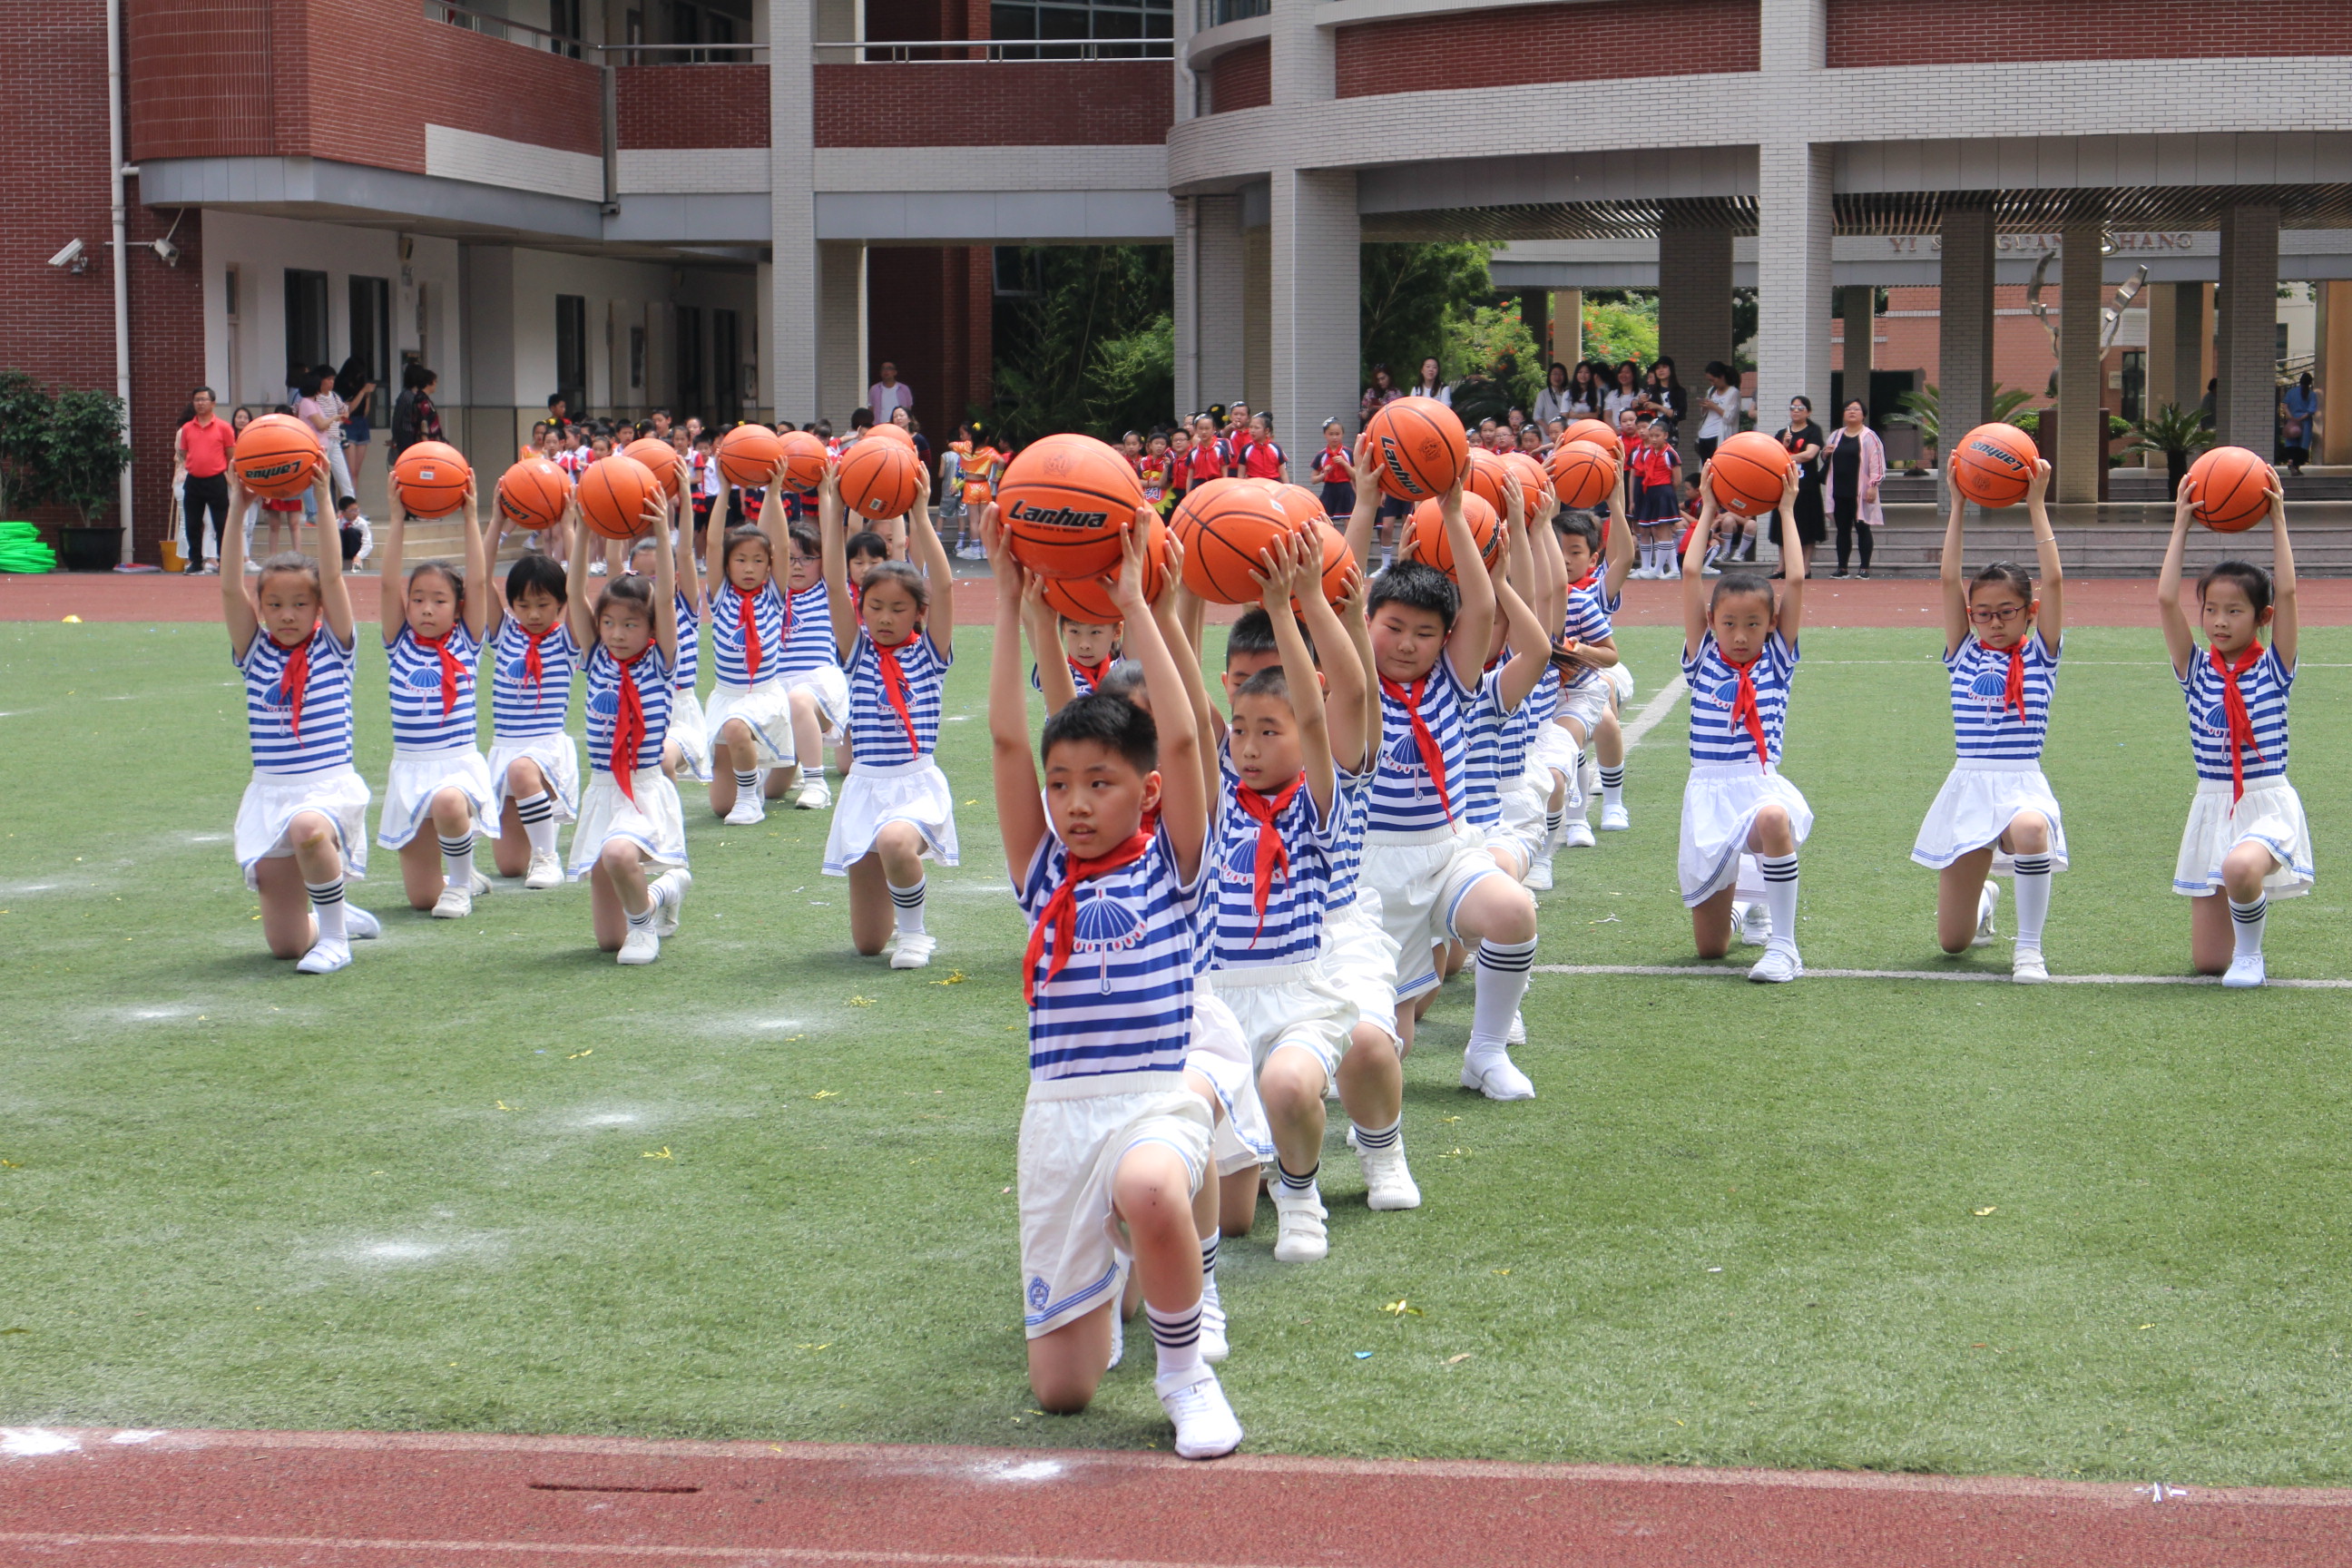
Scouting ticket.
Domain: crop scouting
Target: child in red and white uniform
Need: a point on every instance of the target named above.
(1335, 470)
(1262, 459)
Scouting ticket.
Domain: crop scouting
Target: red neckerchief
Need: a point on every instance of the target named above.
(1060, 912)
(1746, 710)
(294, 681)
(1272, 853)
(748, 622)
(628, 729)
(1433, 755)
(450, 667)
(894, 686)
(1095, 671)
(2012, 692)
(532, 670)
(2242, 722)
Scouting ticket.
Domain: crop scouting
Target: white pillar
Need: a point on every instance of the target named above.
(1794, 281)
(840, 323)
(2079, 452)
(1215, 300)
(1964, 385)
(1693, 310)
(1316, 293)
(2246, 352)
(1187, 310)
(794, 306)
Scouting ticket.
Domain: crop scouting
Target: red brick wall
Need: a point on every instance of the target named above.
(1930, 32)
(930, 316)
(1241, 80)
(200, 70)
(1550, 43)
(691, 106)
(1023, 103)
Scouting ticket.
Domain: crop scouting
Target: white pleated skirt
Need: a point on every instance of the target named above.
(1720, 803)
(272, 801)
(417, 776)
(875, 794)
(692, 731)
(766, 710)
(557, 757)
(652, 822)
(1980, 798)
(2271, 815)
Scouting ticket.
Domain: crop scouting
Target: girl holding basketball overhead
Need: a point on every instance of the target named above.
(1739, 649)
(534, 763)
(894, 811)
(1996, 811)
(2246, 841)
(433, 641)
(750, 715)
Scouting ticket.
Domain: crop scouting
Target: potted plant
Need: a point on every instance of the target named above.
(2180, 434)
(24, 410)
(83, 457)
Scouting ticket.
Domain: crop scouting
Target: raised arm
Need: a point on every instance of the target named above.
(392, 591)
(1360, 637)
(1180, 616)
(1794, 563)
(334, 593)
(924, 549)
(478, 591)
(1039, 622)
(1020, 810)
(579, 608)
(242, 616)
(1693, 563)
(715, 555)
(495, 607)
(657, 518)
(2051, 623)
(833, 543)
(1282, 574)
(1474, 625)
(1953, 576)
(2178, 641)
(1345, 674)
(2285, 622)
(1183, 801)
(1617, 543)
(689, 577)
(1361, 522)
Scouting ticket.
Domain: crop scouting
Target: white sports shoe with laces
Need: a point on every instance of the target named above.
(546, 871)
(2025, 966)
(2246, 972)
(1206, 1427)
(1388, 1182)
(669, 898)
(640, 946)
(1778, 966)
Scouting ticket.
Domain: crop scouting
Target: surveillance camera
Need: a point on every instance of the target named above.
(69, 256)
(165, 248)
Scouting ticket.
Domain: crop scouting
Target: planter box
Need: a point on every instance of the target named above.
(89, 549)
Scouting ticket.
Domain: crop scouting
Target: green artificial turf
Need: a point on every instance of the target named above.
(487, 1180)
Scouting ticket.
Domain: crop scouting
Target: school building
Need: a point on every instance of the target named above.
(739, 206)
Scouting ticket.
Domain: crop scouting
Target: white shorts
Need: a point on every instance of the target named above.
(272, 801)
(766, 710)
(688, 729)
(1525, 799)
(875, 794)
(1243, 1140)
(1287, 1004)
(1980, 798)
(1621, 682)
(830, 686)
(1554, 750)
(557, 757)
(1719, 807)
(417, 776)
(1359, 958)
(1588, 704)
(652, 822)
(1421, 878)
(1073, 1133)
(2271, 815)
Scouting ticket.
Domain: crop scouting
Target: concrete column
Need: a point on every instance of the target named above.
(1187, 312)
(1568, 324)
(2081, 386)
(1216, 289)
(1693, 310)
(1858, 329)
(2192, 343)
(2246, 347)
(1793, 216)
(1964, 388)
(1535, 311)
(792, 280)
(1314, 306)
(2335, 373)
(1256, 315)
(840, 379)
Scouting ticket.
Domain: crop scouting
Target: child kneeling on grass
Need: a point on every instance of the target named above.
(1110, 863)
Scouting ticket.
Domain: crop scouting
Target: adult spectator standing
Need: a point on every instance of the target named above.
(1552, 402)
(357, 389)
(1857, 462)
(1586, 393)
(2298, 418)
(414, 417)
(888, 396)
(1803, 439)
(323, 411)
(1430, 385)
(1721, 401)
(1627, 393)
(905, 422)
(1667, 392)
(1380, 392)
(200, 458)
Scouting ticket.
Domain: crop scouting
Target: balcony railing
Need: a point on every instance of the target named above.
(986, 50)
(492, 25)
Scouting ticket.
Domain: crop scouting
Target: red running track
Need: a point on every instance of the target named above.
(263, 1499)
(1881, 602)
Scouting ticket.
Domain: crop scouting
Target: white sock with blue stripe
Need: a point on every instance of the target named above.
(537, 814)
(2246, 920)
(1780, 896)
(1176, 1336)
(1504, 970)
(907, 902)
(457, 860)
(2032, 889)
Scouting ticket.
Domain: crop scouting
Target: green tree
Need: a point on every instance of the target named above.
(1620, 325)
(84, 453)
(25, 411)
(1490, 346)
(1411, 296)
(1093, 347)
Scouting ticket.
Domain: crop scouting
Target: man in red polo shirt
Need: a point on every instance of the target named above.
(201, 456)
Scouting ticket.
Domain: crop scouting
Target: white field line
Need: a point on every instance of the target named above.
(1733, 972)
(1654, 710)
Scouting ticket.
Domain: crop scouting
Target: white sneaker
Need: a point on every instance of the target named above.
(1754, 923)
(1388, 1182)
(1577, 835)
(669, 898)
(2025, 966)
(358, 925)
(454, 904)
(1516, 1034)
(1299, 1236)
(546, 871)
(480, 884)
(1538, 878)
(640, 946)
(326, 958)
(2246, 972)
(914, 950)
(1214, 1344)
(815, 796)
(1493, 1074)
(1206, 1427)
(1988, 903)
(750, 809)
(1614, 820)
(1778, 966)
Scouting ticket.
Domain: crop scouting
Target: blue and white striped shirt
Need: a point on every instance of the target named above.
(1716, 736)
(1295, 900)
(654, 692)
(1346, 851)
(1405, 799)
(726, 646)
(1123, 1003)
(808, 633)
(1587, 621)
(520, 707)
(1482, 791)
(417, 722)
(325, 740)
(689, 643)
(875, 735)
(1982, 725)
(2264, 685)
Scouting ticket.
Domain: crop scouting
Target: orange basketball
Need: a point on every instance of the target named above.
(431, 478)
(1302, 506)
(532, 494)
(748, 455)
(892, 431)
(1420, 446)
(1224, 527)
(1338, 559)
(1065, 503)
(1424, 534)
(879, 478)
(1486, 480)
(662, 458)
(1599, 432)
(2231, 487)
(1087, 599)
(804, 459)
(277, 456)
(1582, 474)
(1993, 465)
(612, 495)
(1749, 470)
(1533, 481)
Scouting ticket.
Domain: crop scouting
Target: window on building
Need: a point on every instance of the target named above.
(1215, 13)
(371, 299)
(690, 396)
(1013, 271)
(563, 21)
(1083, 29)
(571, 351)
(727, 367)
(306, 318)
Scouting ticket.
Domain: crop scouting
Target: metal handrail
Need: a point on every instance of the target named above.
(985, 50)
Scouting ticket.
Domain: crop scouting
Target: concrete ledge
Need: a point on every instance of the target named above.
(996, 218)
(326, 191)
